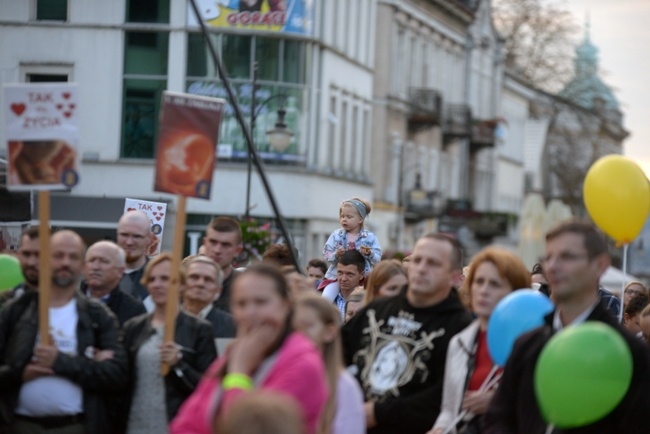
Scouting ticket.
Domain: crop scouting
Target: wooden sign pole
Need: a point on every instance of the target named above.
(44, 271)
(171, 306)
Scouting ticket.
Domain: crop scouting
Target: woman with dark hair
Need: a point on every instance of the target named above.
(493, 274)
(153, 399)
(538, 279)
(266, 354)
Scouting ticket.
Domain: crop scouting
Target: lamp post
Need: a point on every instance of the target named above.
(279, 137)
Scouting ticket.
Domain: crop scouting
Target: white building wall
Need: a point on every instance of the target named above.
(90, 45)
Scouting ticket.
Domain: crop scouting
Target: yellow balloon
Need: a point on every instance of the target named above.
(617, 196)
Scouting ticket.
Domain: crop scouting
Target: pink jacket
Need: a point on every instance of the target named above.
(298, 371)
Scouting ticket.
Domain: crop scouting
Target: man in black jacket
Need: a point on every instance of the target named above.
(134, 236)
(576, 257)
(103, 270)
(59, 385)
(399, 344)
(201, 285)
(28, 257)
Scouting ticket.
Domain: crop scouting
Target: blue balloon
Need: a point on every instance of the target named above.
(517, 313)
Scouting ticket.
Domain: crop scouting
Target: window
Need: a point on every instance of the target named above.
(47, 78)
(53, 10)
(236, 55)
(281, 83)
(147, 11)
(267, 55)
(145, 78)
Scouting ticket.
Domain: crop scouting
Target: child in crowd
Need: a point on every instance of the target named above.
(352, 235)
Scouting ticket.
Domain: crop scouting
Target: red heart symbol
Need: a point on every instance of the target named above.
(158, 218)
(72, 106)
(162, 214)
(18, 109)
(130, 209)
(154, 212)
(66, 95)
(67, 114)
(159, 208)
(59, 106)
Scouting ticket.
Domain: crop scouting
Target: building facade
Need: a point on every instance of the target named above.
(314, 59)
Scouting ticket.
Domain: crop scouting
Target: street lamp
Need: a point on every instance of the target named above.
(279, 137)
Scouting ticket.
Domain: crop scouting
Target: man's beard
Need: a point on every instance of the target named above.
(31, 278)
(62, 281)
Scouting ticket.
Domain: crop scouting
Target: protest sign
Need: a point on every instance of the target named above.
(42, 135)
(187, 139)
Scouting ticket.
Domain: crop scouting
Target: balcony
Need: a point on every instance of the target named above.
(457, 122)
(482, 134)
(426, 108)
(484, 225)
(422, 204)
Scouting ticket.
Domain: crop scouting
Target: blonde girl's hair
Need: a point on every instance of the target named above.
(332, 353)
(364, 202)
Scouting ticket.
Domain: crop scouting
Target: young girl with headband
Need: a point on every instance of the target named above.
(352, 235)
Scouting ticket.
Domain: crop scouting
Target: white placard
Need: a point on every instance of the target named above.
(41, 135)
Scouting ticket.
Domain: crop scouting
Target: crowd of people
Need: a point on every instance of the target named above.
(358, 344)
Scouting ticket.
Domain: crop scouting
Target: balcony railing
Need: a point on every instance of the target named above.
(482, 134)
(422, 204)
(457, 121)
(426, 108)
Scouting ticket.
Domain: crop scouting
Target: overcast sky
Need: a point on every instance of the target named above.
(621, 31)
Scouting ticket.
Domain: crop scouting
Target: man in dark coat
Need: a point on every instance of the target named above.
(59, 385)
(398, 345)
(576, 257)
(200, 286)
(103, 270)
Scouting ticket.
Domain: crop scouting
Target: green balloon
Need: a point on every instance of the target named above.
(582, 374)
(10, 272)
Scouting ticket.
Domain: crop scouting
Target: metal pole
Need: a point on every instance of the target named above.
(247, 133)
(250, 158)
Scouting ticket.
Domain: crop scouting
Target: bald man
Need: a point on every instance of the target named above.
(60, 385)
(103, 270)
(134, 236)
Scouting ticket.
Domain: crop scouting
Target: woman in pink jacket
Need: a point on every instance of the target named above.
(265, 355)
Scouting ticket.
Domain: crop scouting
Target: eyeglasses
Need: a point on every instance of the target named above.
(565, 258)
(633, 292)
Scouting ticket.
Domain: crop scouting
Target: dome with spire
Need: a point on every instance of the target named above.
(586, 87)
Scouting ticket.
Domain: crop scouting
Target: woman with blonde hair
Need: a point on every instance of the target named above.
(493, 274)
(388, 278)
(319, 320)
(154, 399)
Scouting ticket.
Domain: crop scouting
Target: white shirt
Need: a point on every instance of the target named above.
(557, 321)
(54, 395)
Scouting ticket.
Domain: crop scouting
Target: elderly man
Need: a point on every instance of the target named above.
(134, 236)
(60, 386)
(103, 270)
(28, 257)
(201, 285)
(399, 344)
(223, 243)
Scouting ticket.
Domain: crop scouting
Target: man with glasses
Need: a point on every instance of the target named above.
(134, 236)
(576, 257)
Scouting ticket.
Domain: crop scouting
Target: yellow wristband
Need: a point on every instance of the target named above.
(236, 381)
